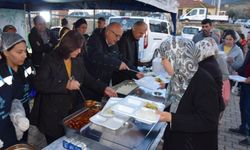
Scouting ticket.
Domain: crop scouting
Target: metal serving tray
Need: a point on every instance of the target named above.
(74, 122)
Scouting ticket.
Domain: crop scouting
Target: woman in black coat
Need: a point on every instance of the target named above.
(193, 99)
(58, 80)
(207, 49)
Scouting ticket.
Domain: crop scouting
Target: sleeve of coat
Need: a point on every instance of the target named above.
(34, 43)
(204, 117)
(123, 48)
(36, 46)
(239, 59)
(97, 55)
(45, 83)
(91, 83)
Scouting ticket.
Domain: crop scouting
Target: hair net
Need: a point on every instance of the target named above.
(8, 27)
(7, 40)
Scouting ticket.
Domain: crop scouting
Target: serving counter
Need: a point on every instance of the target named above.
(132, 134)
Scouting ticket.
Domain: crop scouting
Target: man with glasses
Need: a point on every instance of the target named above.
(128, 48)
(102, 56)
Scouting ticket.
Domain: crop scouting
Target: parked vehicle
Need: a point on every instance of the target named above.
(247, 24)
(79, 14)
(189, 31)
(105, 15)
(158, 31)
(55, 30)
(198, 14)
(240, 21)
(158, 15)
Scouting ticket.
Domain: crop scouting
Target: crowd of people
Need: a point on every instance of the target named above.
(199, 89)
(62, 67)
(57, 69)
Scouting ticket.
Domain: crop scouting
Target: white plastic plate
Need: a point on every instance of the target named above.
(112, 123)
(130, 101)
(147, 116)
(139, 108)
(148, 82)
(237, 78)
(107, 111)
(98, 119)
(123, 109)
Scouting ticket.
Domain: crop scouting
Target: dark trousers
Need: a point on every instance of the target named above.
(50, 139)
(245, 108)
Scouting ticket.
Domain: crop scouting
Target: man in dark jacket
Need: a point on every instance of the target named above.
(41, 40)
(245, 99)
(128, 49)
(102, 56)
(207, 27)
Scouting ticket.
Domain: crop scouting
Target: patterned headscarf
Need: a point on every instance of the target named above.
(180, 52)
(205, 48)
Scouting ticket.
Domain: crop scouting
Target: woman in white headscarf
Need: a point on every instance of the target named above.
(214, 63)
(193, 99)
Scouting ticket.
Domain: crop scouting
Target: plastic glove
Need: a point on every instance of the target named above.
(19, 133)
(23, 123)
(21, 126)
(18, 118)
(1, 143)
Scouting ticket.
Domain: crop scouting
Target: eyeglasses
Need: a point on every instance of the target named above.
(116, 35)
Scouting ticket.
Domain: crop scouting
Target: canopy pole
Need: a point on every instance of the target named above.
(94, 18)
(29, 17)
(174, 20)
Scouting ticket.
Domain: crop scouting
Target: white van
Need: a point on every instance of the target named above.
(189, 31)
(158, 31)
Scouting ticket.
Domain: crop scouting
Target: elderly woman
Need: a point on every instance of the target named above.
(15, 79)
(234, 53)
(208, 58)
(193, 99)
(58, 81)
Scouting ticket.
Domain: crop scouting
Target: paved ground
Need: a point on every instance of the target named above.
(231, 119)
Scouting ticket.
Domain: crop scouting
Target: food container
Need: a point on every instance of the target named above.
(21, 147)
(141, 109)
(74, 122)
(107, 118)
(91, 103)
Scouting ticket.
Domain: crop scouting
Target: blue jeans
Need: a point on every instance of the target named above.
(245, 108)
